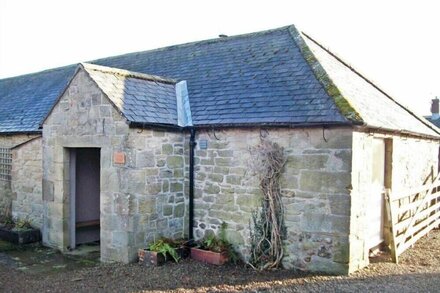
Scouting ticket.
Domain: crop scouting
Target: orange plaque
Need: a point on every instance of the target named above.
(119, 158)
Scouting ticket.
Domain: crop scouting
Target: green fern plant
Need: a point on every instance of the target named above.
(164, 247)
(219, 243)
(23, 224)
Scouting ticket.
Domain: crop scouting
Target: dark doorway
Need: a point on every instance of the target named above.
(85, 195)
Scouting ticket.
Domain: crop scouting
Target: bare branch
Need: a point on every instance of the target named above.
(267, 231)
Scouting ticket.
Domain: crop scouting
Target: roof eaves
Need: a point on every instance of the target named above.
(321, 75)
(403, 132)
(27, 132)
(274, 124)
(133, 124)
(153, 125)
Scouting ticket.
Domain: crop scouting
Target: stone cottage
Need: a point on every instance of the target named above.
(130, 148)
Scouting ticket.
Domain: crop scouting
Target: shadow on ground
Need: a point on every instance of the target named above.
(34, 268)
(37, 259)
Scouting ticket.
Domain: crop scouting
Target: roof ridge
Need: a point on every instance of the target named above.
(127, 73)
(213, 40)
(339, 59)
(207, 41)
(344, 106)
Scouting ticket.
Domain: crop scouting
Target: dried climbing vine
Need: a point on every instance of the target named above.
(267, 227)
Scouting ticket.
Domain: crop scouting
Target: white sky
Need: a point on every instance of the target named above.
(394, 43)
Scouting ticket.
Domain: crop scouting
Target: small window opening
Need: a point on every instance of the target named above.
(5, 164)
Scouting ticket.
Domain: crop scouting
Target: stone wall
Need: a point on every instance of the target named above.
(6, 194)
(315, 187)
(26, 181)
(141, 199)
(5, 198)
(9, 141)
(324, 184)
(413, 160)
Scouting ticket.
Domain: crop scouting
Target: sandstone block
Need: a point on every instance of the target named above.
(233, 179)
(234, 237)
(320, 264)
(153, 188)
(341, 251)
(237, 171)
(167, 210)
(167, 149)
(119, 239)
(223, 161)
(308, 162)
(175, 162)
(165, 186)
(145, 159)
(225, 153)
(211, 189)
(226, 199)
(248, 203)
(320, 181)
(339, 204)
(208, 162)
(48, 190)
(178, 173)
(176, 186)
(179, 210)
(216, 177)
(342, 140)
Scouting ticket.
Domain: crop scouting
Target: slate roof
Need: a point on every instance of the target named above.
(255, 78)
(263, 78)
(436, 122)
(140, 98)
(25, 100)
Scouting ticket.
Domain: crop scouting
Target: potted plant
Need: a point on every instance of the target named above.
(18, 231)
(163, 250)
(213, 249)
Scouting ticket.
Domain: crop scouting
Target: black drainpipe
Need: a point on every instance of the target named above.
(192, 145)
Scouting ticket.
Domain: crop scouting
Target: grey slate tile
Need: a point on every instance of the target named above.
(142, 100)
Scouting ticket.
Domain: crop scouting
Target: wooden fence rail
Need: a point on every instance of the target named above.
(412, 215)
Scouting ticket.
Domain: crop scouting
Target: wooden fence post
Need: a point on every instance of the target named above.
(389, 210)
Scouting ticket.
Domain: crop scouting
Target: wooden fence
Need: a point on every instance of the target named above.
(412, 214)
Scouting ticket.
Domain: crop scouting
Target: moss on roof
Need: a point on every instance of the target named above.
(341, 103)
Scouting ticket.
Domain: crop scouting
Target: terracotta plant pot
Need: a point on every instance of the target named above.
(20, 236)
(211, 257)
(150, 258)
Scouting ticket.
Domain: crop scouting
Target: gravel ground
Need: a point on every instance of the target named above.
(418, 271)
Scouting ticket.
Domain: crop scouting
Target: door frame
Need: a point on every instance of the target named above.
(387, 185)
(72, 229)
(72, 198)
